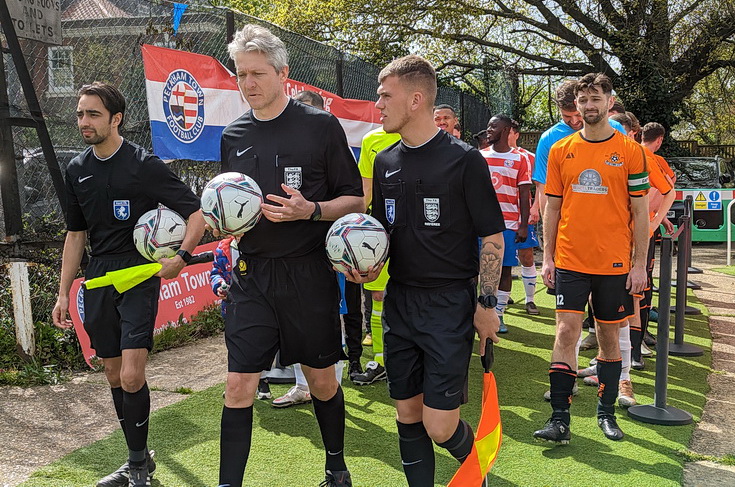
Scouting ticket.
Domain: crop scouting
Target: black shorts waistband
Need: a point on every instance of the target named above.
(311, 257)
(457, 285)
(121, 256)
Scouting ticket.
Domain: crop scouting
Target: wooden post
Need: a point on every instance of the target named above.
(21, 290)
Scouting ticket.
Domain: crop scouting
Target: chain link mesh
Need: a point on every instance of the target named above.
(105, 46)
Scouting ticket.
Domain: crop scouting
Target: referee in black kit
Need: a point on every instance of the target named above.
(109, 186)
(434, 195)
(284, 292)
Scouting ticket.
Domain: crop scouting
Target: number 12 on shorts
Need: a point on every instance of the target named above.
(560, 300)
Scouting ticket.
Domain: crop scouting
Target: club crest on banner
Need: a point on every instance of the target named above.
(121, 209)
(431, 209)
(292, 177)
(183, 106)
(390, 210)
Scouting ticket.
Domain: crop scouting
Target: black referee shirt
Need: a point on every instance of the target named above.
(303, 147)
(106, 198)
(435, 200)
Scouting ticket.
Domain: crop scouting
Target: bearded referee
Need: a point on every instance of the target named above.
(284, 293)
(434, 195)
(109, 186)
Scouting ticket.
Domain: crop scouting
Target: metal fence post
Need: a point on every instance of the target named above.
(659, 412)
(8, 171)
(680, 348)
(21, 291)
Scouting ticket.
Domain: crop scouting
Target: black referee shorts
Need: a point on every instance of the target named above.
(114, 321)
(288, 304)
(610, 298)
(427, 338)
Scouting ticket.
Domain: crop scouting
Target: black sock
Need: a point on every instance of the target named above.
(137, 409)
(636, 339)
(330, 415)
(608, 372)
(117, 399)
(561, 381)
(417, 454)
(460, 443)
(645, 314)
(591, 315)
(236, 431)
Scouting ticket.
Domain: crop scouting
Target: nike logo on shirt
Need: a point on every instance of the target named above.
(241, 152)
(391, 173)
(82, 179)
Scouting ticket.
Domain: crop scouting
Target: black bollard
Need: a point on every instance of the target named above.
(659, 412)
(685, 252)
(679, 348)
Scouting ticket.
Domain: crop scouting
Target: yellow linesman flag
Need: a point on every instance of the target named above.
(124, 279)
(489, 434)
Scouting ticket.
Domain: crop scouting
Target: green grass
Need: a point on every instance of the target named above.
(287, 445)
(726, 270)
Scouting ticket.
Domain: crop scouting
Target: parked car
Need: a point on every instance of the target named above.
(709, 181)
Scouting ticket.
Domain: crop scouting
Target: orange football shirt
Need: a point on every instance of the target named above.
(596, 180)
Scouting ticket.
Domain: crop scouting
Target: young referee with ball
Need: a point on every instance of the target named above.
(108, 187)
(434, 195)
(284, 293)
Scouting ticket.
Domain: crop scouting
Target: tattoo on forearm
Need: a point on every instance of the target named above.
(491, 261)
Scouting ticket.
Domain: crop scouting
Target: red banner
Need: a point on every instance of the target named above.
(179, 299)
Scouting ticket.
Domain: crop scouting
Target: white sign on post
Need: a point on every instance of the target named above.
(39, 20)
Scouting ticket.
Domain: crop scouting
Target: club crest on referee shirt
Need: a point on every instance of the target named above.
(590, 182)
(121, 209)
(292, 177)
(390, 210)
(432, 211)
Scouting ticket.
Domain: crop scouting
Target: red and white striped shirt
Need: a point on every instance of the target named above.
(508, 171)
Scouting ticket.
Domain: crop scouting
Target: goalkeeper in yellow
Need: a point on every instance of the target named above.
(374, 142)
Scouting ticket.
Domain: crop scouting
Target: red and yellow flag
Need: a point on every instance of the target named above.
(488, 438)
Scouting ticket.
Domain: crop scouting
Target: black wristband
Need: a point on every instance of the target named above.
(185, 256)
(317, 215)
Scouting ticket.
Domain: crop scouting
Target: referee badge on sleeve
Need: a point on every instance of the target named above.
(121, 209)
(390, 210)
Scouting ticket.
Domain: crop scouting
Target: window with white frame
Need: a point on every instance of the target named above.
(60, 69)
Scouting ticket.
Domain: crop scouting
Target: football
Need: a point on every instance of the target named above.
(159, 233)
(356, 241)
(231, 203)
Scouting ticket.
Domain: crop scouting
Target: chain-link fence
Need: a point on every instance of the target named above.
(103, 43)
(105, 46)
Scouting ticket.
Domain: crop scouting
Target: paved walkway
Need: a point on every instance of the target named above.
(41, 424)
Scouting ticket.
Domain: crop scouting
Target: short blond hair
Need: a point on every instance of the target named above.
(416, 71)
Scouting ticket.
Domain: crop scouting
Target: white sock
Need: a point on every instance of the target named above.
(502, 302)
(625, 348)
(338, 368)
(300, 378)
(528, 275)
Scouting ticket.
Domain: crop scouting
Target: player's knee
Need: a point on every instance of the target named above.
(131, 382)
(240, 389)
(323, 387)
(439, 431)
(566, 334)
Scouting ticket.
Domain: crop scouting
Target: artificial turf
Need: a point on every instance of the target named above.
(287, 449)
(726, 270)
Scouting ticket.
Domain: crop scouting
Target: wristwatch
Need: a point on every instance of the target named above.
(185, 256)
(487, 301)
(317, 215)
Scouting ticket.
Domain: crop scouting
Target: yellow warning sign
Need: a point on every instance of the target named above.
(700, 197)
(700, 205)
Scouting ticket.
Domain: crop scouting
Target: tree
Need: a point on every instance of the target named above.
(655, 51)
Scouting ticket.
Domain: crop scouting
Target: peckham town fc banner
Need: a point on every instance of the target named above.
(192, 98)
